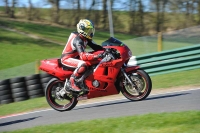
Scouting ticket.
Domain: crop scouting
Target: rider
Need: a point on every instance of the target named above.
(75, 47)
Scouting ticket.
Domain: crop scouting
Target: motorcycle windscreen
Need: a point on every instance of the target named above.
(112, 42)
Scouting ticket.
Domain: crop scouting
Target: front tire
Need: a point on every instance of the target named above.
(143, 85)
(65, 104)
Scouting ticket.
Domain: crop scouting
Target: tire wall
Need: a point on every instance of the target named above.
(23, 88)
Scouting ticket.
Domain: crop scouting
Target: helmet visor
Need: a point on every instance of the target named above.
(90, 32)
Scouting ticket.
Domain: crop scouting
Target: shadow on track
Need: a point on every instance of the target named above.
(128, 101)
(166, 96)
(17, 121)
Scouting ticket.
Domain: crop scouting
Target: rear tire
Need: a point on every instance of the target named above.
(66, 104)
(143, 82)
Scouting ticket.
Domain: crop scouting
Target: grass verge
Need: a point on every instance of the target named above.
(16, 49)
(59, 34)
(179, 122)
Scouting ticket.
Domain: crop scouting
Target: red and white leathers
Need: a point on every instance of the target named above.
(75, 47)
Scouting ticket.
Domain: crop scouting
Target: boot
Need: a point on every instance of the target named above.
(74, 87)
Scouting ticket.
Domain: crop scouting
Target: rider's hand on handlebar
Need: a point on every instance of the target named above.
(101, 56)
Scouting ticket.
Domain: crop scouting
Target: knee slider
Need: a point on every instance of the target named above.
(82, 69)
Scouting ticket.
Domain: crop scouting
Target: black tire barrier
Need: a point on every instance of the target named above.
(44, 75)
(16, 80)
(36, 93)
(7, 101)
(17, 90)
(7, 96)
(34, 87)
(32, 82)
(34, 76)
(20, 94)
(36, 96)
(4, 87)
(35, 90)
(44, 86)
(44, 82)
(20, 99)
(5, 82)
(23, 88)
(16, 83)
(45, 78)
(5, 92)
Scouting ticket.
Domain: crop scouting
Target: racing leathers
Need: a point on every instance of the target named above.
(75, 47)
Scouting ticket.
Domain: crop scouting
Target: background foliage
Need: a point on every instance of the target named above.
(138, 17)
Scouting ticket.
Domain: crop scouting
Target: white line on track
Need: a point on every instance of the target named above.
(18, 114)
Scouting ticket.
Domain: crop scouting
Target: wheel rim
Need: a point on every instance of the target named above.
(140, 82)
(52, 97)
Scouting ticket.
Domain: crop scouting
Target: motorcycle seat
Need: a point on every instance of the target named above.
(65, 67)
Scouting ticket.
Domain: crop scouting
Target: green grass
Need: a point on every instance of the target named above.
(178, 122)
(53, 33)
(184, 78)
(16, 49)
(59, 34)
(23, 106)
(138, 46)
(146, 45)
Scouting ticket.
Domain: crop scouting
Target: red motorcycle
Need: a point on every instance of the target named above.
(111, 75)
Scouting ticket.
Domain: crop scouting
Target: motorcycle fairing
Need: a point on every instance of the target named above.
(106, 76)
(52, 67)
(131, 68)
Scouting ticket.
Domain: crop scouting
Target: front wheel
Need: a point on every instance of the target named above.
(61, 104)
(142, 82)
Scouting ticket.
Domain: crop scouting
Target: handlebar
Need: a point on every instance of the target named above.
(108, 55)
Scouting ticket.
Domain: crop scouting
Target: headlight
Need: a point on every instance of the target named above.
(129, 53)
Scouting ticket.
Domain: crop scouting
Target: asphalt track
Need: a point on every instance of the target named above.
(167, 102)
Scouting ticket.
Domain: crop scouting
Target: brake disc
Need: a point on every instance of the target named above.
(139, 82)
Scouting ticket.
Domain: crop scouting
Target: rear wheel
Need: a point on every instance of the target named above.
(60, 104)
(142, 82)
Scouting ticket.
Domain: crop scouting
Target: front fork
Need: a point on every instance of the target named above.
(129, 80)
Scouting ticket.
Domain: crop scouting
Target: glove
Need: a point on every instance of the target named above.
(100, 56)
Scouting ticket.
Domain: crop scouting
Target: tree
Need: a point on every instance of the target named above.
(104, 14)
(6, 7)
(136, 15)
(160, 6)
(78, 11)
(56, 8)
(141, 17)
(198, 9)
(93, 13)
(30, 8)
(12, 11)
(132, 16)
